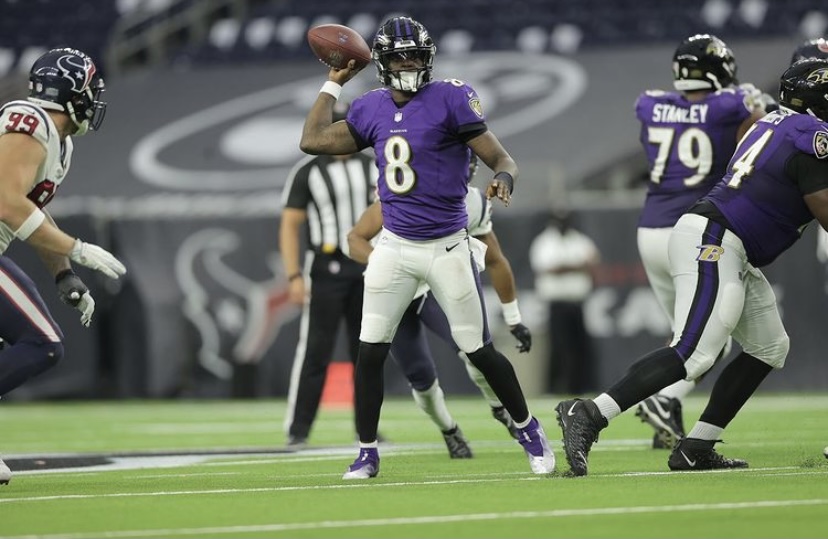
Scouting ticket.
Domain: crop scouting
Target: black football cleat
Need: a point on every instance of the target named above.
(665, 416)
(692, 454)
(580, 422)
(458, 446)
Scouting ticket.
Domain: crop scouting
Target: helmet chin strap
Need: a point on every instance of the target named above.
(82, 127)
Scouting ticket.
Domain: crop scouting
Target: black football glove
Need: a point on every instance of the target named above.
(524, 337)
(74, 293)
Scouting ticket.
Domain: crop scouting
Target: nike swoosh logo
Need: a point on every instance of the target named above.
(571, 410)
(692, 463)
(452, 247)
(661, 411)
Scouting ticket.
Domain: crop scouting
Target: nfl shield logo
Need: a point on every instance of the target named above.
(398, 117)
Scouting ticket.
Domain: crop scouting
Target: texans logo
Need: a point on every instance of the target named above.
(237, 318)
(238, 134)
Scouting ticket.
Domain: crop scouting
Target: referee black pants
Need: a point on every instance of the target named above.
(335, 287)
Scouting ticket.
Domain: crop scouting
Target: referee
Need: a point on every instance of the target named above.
(329, 193)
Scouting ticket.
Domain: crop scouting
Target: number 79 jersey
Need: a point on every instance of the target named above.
(762, 194)
(29, 119)
(688, 145)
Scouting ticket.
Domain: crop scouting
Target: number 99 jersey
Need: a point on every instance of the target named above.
(29, 119)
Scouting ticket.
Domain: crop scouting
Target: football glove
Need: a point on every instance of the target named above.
(96, 258)
(74, 293)
(524, 337)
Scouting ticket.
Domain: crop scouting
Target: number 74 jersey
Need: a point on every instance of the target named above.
(761, 196)
(29, 119)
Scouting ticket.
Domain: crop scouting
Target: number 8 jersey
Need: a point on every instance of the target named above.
(29, 119)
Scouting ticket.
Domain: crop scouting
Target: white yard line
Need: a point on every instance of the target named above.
(433, 519)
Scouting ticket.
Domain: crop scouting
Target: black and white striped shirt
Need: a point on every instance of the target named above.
(334, 192)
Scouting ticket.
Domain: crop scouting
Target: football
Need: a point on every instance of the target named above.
(335, 45)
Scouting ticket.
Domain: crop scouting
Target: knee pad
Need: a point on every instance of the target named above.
(698, 364)
(52, 353)
(376, 329)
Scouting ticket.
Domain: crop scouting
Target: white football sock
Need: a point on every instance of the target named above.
(706, 431)
(607, 406)
(678, 390)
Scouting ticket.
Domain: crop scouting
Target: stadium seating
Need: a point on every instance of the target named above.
(266, 30)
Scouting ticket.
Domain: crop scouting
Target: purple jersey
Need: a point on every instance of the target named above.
(688, 145)
(422, 158)
(760, 200)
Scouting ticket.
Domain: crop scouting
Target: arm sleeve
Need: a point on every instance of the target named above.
(809, 173)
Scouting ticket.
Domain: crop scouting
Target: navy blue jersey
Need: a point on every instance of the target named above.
(759, 197)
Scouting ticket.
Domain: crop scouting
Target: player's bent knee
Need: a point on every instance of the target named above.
(48, 354)
(774, 353)
(376, 329)
(468, 341)
(698, 364)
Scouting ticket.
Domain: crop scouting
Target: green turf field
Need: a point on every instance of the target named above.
(227, 475)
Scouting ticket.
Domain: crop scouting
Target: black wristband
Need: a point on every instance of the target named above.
(63, 273)
(506, 178)
(293, 276)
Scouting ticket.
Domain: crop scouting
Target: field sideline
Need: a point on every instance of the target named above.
(217, 469)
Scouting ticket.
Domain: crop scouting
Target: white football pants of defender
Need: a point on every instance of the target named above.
(719, 293)
(395, 270)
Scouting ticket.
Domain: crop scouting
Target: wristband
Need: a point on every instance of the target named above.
(506, 178)
(331, 88)
(293, 276)
(511, 313)
(34, 220)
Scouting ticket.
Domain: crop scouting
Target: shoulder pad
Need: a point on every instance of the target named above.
(27, 118)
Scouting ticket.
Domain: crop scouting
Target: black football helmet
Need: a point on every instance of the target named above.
(68, 81)
(804, 88)
(815, 48)
(403, 38)
(701, 62)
